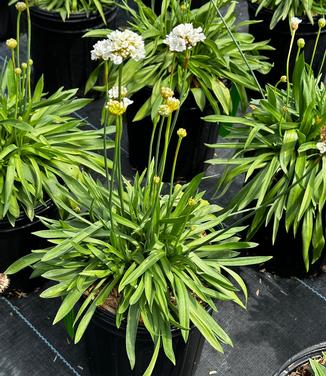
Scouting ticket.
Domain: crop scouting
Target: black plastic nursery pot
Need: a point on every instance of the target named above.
(158, 4)
(300, 359)
(59, 51)
(8, 18)
(107, 354)
(287, 255)
(18, 241)
(280, 38)
(193, 152)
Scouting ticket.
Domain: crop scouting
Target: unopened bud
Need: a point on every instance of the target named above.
(18, 71)
(192, 201)
(295, 22)
(283, 79)
(166, 92)
(20, 6)
(156, 180)
(321, 23)
(30, 62)
(24, 66)
(301, 42)
(11, 43)
(181, 132)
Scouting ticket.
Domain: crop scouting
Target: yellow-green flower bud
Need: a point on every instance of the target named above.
(301, 42)
(30, 62)
(164, 110)
(11, 43)
(156, 180)
(178, 187)
(115, 107)
(24, 66)
(321, 23)
(173, 103)
(18, 71)
(20, 6)
(166, 92)
(181, 132)
(184, 6)
(192, 201)
(283, 79)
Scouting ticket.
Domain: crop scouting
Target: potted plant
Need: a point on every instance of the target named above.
(58, 49)
(275, 19)
(214, 64)
(281, 152)
(41, 144)
(309, 362)
(140, 266)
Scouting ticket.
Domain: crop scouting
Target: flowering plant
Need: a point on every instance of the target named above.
(41, 142)
(156, 259)
(282, 152)
(290, 8)
(175, 35)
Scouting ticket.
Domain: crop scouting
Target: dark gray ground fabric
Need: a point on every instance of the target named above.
(283, 316)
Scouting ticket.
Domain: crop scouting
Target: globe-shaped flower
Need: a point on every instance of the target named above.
(119, 45)
(183, 37)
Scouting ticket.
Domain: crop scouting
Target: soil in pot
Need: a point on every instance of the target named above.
(299, 364)
(18, 241)
(280, 38)
(107, 354)
(59, 51)
(287, 258)
(193, 152)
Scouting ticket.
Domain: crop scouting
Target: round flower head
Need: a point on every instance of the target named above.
(24, 66)
(301, 42)
(120, 45)
(118, 108)
(321, 23)
(166, 92)
(283, 79)
(321, 146)
(18, 71)
(183, 37)
(20, 6)
(4, 282)
(181, 132)
(173, 103)
(156, 179)
(295, 22)
(11, 43)
(164, 110)
(30, 62)
(114, 92)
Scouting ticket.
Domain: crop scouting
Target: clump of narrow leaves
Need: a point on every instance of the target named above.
(41, 144)
(286, 9)
(168, 256)
(276, 150)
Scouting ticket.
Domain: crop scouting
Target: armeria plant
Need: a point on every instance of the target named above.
(286, 9)
(41, 142)
(214, 62)
(281, 149)
(166, 257)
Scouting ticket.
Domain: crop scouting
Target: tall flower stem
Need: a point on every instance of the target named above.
(166, 146)
(288, 68)
(106, 81)
(119, 137)
(150, 154)
(315, 47)
(158, 144)
(28, 91)
(322, 63)
(239, 49)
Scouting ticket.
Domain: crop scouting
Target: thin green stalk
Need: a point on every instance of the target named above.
(298, 54)
(166, 146)
(173, 173)
(315, 47)
(239, 48)
(158, 144)
(150, 154)
(18, 38)
(119, 136)
(106, 80)
(28, 91)
(288, 69)
(322, 63)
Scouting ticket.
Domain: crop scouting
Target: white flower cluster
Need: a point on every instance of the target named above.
(114, 92)
(119, 45)
(321, 146)
(295, 22)
(183, 37)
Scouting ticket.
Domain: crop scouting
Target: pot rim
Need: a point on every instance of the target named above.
(300, 358)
